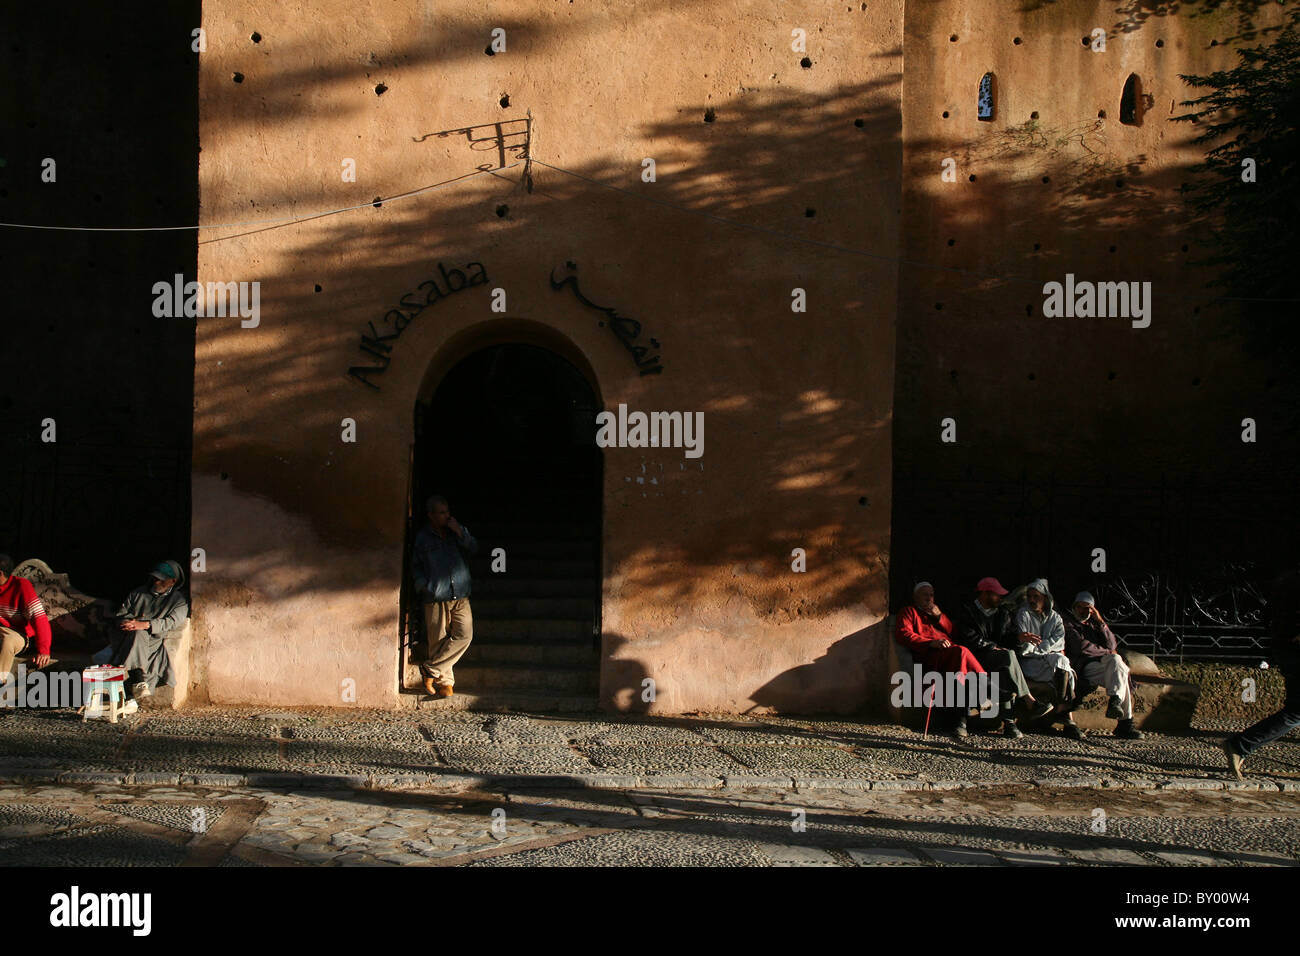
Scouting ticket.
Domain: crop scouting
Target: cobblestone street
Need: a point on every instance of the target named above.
(243, 787)
(108, 825)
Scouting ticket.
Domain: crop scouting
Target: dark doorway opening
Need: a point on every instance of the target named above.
(508, 437)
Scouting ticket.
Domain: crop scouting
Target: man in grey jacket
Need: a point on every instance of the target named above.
(1042, 648)
(442, 581)
(149, 615)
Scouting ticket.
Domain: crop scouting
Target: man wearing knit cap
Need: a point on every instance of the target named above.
(984, 626)
(1094, 653)
(149, 615)
(927, 633)
(1041, 633)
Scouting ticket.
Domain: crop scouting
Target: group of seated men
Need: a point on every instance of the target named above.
(1019, 643)
(150, 614)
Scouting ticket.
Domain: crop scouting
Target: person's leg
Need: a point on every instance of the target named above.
(459, 635)
(1114, 678)
(436, 620)
(11, 645)
(1278, 724)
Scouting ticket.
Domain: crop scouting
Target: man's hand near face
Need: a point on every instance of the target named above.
(455, 527)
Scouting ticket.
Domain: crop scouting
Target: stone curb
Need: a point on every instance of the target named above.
(463, 781)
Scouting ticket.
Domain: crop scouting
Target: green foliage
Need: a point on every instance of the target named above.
(1250, 112)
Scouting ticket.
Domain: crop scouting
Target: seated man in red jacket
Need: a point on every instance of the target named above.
(22, 619)
(927, 633)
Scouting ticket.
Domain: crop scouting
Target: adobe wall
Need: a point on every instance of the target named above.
(303, 532)
(1050, 186)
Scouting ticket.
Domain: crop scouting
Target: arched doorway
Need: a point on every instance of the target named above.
(507, 435)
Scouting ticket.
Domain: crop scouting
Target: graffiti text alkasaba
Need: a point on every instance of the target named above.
(375, 342)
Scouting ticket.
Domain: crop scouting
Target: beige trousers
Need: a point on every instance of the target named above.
(11, 642)
(448, 628)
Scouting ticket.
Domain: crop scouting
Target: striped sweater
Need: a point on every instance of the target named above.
(21, 609)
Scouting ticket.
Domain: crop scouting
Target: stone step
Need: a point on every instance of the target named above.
(509, 630)
(528, 678)
(549, 608)
(522, 530)
(519, 547)
(538, 654)
(545, 568)
(495, 586)
(500, 703)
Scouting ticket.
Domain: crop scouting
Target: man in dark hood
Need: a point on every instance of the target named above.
(148, 616)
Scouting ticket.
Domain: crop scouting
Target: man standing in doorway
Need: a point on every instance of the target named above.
(442, 581)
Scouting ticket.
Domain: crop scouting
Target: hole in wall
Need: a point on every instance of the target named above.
(256, 37)
(502, 210)
(318, 288)
(945, 114)
(710, 115)
(806, 63)
(380, 89)
(505, 100)
(1016, 41)
(859, 123)
(376, 203)
(237, 77)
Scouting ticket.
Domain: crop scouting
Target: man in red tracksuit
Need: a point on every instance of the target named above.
(22, 618)
(927, 633)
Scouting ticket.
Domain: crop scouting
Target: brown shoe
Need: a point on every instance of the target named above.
(443, 690)
(430, 687)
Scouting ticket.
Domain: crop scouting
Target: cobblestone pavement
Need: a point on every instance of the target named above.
(108, 825)
(236, 747)
(250, 787)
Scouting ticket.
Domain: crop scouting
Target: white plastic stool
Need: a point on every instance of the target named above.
(105, 682)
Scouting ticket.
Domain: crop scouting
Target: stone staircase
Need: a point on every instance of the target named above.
(535, 645)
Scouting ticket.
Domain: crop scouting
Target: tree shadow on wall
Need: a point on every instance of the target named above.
(770, 159)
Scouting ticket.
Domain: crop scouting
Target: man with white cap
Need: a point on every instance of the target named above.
(984, 626)
(1041, 633)
(927, 633)
(1094, 653)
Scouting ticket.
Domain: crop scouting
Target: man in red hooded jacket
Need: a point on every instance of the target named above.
(927, 633)
(22, 618)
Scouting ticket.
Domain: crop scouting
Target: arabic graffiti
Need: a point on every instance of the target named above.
(625, 330)
(395, 321)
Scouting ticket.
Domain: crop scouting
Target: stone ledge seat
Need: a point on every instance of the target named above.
(1090, 715)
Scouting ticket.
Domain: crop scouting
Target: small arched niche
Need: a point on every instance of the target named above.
(986, 104)
(1130, 101)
